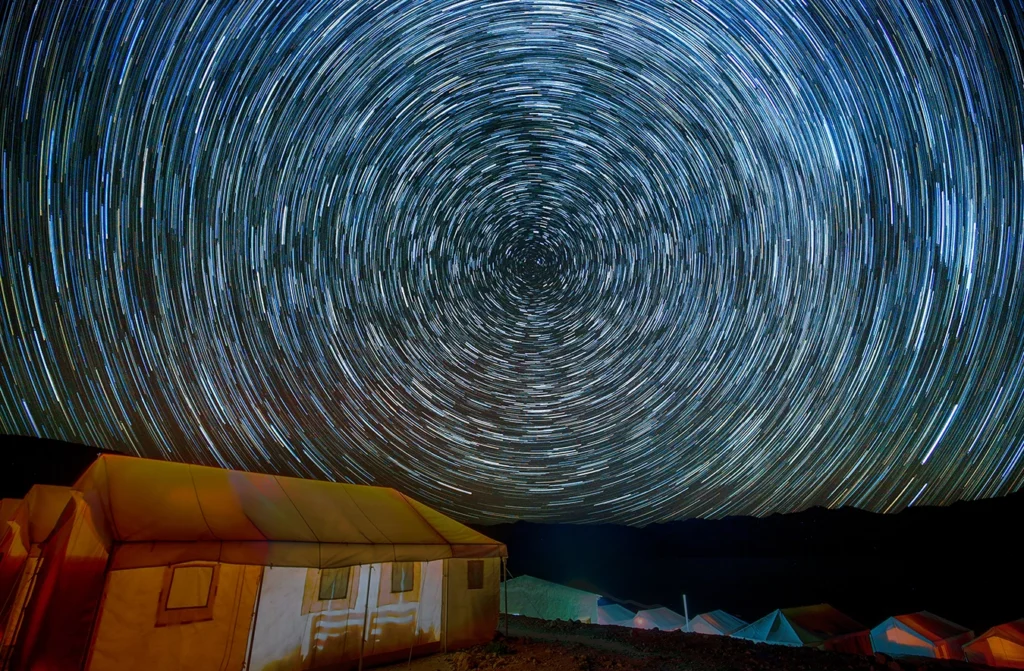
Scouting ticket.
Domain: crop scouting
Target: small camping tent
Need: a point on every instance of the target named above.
(161, 565)
(613, 613)
(1002, 645)
(664, 619)
(920, 634)
(538, 598)
(716, 623)
(820, 626)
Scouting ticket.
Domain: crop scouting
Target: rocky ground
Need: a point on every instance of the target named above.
(572, 646)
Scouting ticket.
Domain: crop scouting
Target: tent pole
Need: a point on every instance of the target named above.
(255, 615)
(366, 617)
(20, 620)
(444, 604)
(415, 623)
(504, 569)
(686, 613)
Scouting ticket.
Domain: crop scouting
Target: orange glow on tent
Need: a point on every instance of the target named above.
(1000, 646)
(921, 634)
(156, 565)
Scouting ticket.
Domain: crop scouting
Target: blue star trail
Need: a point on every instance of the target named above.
(610, 261)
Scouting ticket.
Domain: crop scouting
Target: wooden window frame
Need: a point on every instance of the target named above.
(386, 597)
(311, 602)
(335, 571)
(411, 573)
(171, 616)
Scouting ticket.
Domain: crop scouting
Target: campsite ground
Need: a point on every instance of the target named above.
(572, 646)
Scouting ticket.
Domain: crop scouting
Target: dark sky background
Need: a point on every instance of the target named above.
(606, 261)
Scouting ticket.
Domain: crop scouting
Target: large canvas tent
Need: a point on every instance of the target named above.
(819, 626)
(538, 598)
(921, 634)
(1002, 646)
(664, 619)
(161, 565)
(716, 623)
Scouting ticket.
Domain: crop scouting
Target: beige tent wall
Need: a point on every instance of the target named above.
(472, 614)
(406, 620)
(296, 631)
(128, 635)
(287, 639)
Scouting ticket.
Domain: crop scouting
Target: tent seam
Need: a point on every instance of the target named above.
(352, 500)
(370, 520)
(109, 503)
(301, 516)
(429, 525)
(202, 513)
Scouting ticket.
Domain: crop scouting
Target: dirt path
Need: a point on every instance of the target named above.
(540, 631)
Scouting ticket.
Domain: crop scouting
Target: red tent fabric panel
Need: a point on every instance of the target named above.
(58, 620)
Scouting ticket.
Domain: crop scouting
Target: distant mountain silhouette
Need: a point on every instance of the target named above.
(953, 560)
(27, 461)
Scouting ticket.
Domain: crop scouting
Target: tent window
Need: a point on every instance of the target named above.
(331, 589)
(334, 583)
(475, 573)
(188, 594)
(190, 587)
(401, 577)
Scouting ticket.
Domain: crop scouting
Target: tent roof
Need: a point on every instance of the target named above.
(1013, 631)
(547, 584)
(149, 501)
(662, 618)
(720, 620)
(43, 505)
(931, 626)
(822, 620)
(774, 628)
(803, 625)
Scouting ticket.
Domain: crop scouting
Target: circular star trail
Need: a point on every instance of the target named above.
(610, 260)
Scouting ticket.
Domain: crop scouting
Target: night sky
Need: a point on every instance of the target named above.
(609, 261)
